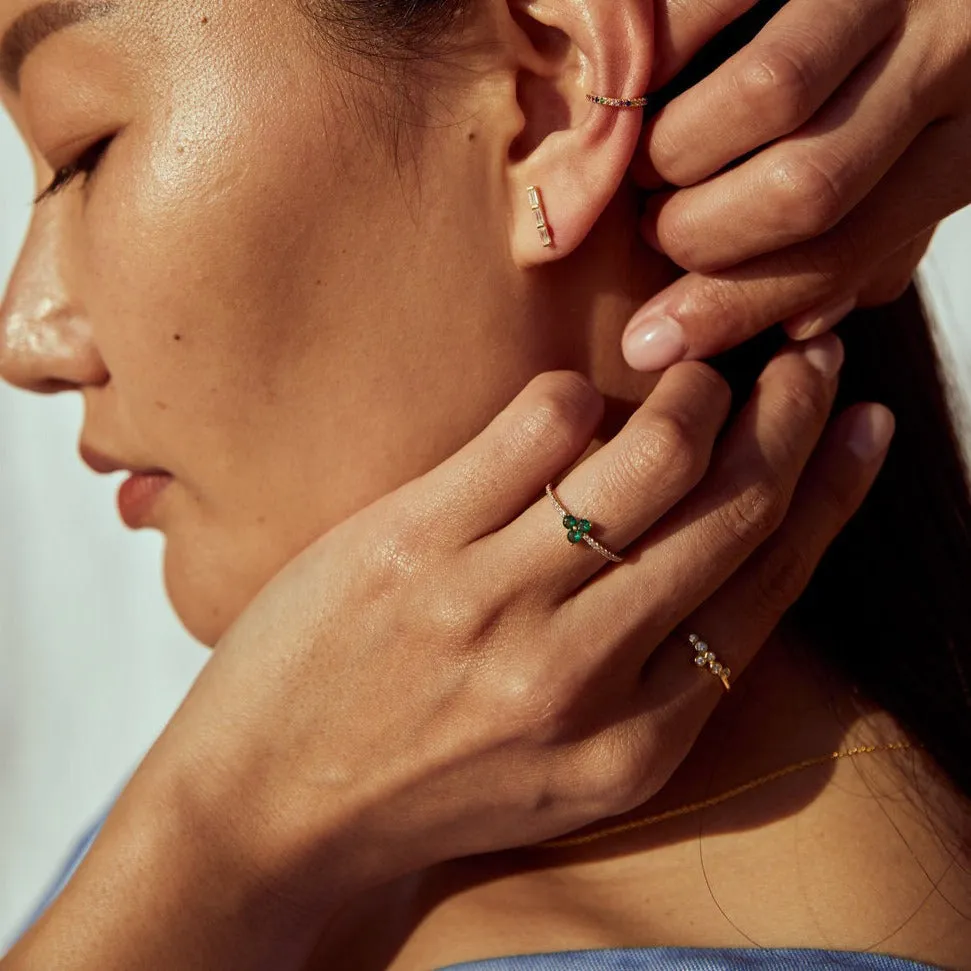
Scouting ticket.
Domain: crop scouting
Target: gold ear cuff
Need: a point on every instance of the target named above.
(599, 99)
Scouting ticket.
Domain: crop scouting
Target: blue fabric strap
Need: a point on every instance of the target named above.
(697, 959)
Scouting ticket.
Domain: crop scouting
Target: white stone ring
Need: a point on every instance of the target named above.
(705, 658)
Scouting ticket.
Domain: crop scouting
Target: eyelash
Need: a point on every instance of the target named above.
(86, 163)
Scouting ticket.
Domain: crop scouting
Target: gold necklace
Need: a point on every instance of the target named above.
(568, 841)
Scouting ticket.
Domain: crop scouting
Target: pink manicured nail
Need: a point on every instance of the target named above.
(653, 343)
(818, 321)
(871, 433)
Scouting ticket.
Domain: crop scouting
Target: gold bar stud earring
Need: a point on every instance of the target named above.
(536, 204)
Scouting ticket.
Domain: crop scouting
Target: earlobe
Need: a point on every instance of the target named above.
(583, 132)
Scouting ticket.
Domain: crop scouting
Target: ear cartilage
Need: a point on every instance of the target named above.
(599, 99)
(536, 204)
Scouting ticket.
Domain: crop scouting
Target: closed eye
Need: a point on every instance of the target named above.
(86, 163)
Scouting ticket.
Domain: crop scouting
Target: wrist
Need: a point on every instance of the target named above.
(172, 882)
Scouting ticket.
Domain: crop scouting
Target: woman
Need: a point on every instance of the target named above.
(442, 675)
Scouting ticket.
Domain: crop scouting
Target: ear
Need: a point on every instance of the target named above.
(574, 151)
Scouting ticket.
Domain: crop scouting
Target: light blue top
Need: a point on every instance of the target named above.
(635, 959)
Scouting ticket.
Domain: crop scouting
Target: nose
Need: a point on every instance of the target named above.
(46, 344)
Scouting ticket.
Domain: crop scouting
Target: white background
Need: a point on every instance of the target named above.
(92, 660)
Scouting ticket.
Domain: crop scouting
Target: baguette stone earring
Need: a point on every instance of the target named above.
(536, 204)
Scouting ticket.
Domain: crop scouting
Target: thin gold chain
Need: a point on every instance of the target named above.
(569, 841)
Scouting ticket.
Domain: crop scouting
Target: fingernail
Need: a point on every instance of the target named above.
(818, 321)
(653, 343)
(871, 432)
(825, 354)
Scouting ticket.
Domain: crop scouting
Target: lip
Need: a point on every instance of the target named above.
(103, 464)
(138, 495)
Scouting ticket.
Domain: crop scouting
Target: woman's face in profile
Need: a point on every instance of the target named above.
(253, 290)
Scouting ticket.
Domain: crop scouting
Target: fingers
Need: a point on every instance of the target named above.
(488, 482)
(895, 274)
(633, 480)
(820, 320)
(701, 315)
(769, 89)
(743, 499)
(888, 283)
(683, 27)
(799, 187)
(738, 619)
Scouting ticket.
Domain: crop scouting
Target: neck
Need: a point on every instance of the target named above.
(831, 857)
(786, 708)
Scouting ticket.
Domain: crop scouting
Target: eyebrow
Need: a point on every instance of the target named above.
(37, 24)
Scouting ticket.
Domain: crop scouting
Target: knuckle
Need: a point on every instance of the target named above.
(802, 403)
(663, 442)
(395, 555)
(680, 237)
(887, 287)
(782, 577)
(533, 701)
(690, 250)
(674, 237)
(718, 299)
(396, 559)
(755, 513)
(707, 383)
(778, 85)
(617, 776)
(824, 264)
(805, 195)
(629, 764)
(559, 407)
(665, 145)
(457, 617)
(527, 704)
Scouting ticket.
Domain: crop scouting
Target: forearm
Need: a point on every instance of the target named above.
(168, 886)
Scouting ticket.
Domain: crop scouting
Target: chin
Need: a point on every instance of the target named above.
(207, 595)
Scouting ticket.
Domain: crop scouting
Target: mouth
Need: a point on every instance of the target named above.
(104, 464)
(139, 493)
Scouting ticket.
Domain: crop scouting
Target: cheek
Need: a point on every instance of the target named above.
(273, 339)
(198, 270)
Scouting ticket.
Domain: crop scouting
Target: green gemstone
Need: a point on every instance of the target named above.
(585, 526)
(570, 522)
(574, 536)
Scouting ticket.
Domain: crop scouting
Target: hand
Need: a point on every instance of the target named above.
(443, 674)
(862, 112)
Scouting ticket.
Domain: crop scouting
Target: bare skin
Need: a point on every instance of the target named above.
(253, 297)
(843, 856)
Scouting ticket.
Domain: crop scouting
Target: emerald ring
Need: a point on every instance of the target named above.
(578, 530)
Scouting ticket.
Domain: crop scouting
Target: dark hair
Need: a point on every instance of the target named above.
(890, 606)
(393, 30)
